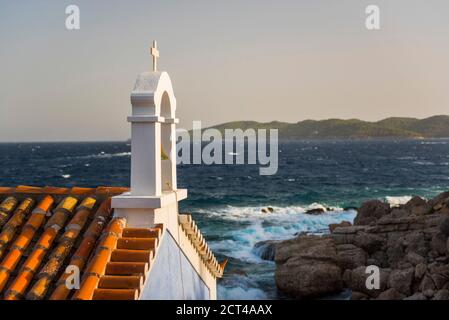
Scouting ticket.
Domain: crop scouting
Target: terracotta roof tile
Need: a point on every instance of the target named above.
(45, 230)
(48, 233)
(28, 189)
(4, 190)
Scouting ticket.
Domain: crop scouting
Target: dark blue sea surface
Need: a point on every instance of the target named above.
(226, 200)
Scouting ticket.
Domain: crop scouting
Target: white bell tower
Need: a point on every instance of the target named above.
(154, 195)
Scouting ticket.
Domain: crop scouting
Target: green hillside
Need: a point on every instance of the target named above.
(433, 127)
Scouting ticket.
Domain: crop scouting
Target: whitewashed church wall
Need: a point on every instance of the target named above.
(172, 276)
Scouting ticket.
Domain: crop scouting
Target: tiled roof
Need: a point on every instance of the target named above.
(49, 235)
(46, 230)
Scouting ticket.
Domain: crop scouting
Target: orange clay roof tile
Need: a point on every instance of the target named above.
(28, 189)
(45, 230)
(82, 191)
(55, 190)
(47, 233)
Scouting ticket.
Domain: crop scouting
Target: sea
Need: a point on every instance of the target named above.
(227, 200)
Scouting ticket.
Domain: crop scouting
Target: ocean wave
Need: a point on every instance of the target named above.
(103, 155)
(238, 243)
(251, 213)
(282, 224)
(240, 293)
(434, 142)
(424, 163)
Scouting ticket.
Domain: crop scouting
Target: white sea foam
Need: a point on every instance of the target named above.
(282, 223)
(396, 201)
(255, 213)
(424, 163)
(103, 155)
(434, 142)
(240, 293)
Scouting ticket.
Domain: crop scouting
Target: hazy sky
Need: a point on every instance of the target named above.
(228, 60)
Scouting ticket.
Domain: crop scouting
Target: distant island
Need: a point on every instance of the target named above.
(395, 127)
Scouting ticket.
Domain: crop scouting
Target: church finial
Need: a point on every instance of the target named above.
(155, 54)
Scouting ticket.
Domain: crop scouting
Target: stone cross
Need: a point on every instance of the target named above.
(155, 54)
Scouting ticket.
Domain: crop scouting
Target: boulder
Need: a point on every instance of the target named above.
(368, 241)
(416, 241)
(417, 206)
(355, 295)
(315, 211)
(333, 226)
(267, 210)
(350, 256)
(356, 281)
(420, 270)
(440, 275)
(439, 244)
(370, 211)
(415, 258)
(427, 285)
(442, 294)
(444, 227)
(395, 254)
(402, 280)
(391, 294)
(416, 296)
(429, 293)
(307, 266)
(440, 200)
(409, 243)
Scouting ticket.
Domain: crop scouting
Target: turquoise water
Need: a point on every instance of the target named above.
(226, 200)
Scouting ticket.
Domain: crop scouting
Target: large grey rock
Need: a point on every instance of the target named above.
(427, 285)
(395, 254)
(415, 241)
(415, 258)
(355, 295)
(408, 243)
(307, 267)
(368, 241)
(442, 294)
(440, 275)
(402, 280)
(370, 211)
(350, 256)
(416, 296)
(439, 244)
(378, 258)
(440, 201)
(420, 270)
(391, 294)
(417, 206)
(334, 226)
(444, 226)
(356, 280)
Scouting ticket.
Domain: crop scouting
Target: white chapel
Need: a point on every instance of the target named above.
(183, 266)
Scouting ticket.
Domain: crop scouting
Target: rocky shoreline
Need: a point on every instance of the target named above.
(408, 244)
